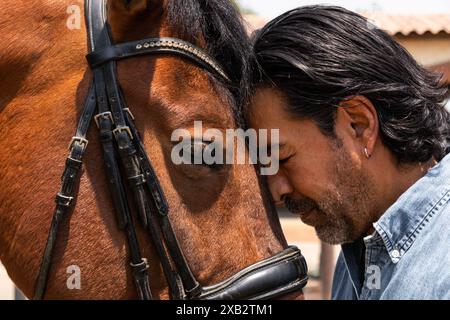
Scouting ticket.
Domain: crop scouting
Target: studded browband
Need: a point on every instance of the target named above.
(152, 46)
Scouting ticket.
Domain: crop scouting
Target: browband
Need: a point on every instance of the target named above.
(154, 46)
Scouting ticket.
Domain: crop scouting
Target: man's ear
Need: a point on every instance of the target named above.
(359, 116)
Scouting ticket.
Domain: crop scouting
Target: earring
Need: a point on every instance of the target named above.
(366, 153)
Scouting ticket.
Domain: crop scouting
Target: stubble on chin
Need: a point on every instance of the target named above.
(346, 206)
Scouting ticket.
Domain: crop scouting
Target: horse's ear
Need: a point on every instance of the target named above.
(134, 19)
(134, 6)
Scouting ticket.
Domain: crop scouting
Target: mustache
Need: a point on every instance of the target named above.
(299, 206)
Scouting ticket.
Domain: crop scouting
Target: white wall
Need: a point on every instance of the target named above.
(428, 50)
(6, 286)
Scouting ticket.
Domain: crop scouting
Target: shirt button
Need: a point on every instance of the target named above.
(395, 254)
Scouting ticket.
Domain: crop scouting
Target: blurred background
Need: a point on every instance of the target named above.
(422, 27)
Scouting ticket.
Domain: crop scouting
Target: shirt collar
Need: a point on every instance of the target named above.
(402, 223)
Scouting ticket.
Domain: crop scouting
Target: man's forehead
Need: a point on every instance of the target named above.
(266, 108)
(269, 95)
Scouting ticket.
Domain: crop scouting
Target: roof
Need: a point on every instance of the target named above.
(408, 24)
(394, 24)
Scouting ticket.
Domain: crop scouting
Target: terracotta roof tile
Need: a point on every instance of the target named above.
(394, 24)
(406, 24)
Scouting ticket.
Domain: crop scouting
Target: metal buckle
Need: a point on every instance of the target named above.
(137, 180)
(63, 200)
(129, 113)
(143, 265)
(194, 292)
(80, 140)
(126, 129)
(103, 114)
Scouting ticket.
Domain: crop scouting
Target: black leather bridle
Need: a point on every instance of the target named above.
(127, 163)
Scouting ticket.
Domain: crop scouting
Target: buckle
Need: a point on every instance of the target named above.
(194, 292)
(120, 129)
(137, 180)
(63, 200)
(127, 110)
(141, 266)
(79, 140)
(106, 114)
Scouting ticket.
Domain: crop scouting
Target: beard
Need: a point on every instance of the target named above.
(299, 206)
(343, 212)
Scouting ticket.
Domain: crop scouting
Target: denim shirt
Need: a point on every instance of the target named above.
(408, 255)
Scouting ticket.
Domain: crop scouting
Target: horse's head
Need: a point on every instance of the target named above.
(221, 213)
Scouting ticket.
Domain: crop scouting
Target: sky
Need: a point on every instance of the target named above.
(273, 8)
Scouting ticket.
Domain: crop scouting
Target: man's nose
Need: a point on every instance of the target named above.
(279, 186)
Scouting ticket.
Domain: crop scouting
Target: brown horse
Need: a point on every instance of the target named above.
(222, 217)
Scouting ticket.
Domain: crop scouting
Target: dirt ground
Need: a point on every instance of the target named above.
(304, 237)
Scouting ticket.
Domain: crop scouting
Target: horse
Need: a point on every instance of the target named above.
(222, 216)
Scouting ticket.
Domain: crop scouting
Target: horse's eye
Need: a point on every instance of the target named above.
(203, 153)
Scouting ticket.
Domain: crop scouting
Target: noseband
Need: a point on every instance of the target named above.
(127, 164)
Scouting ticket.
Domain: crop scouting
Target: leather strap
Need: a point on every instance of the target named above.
(65, 197)
(273, 277)
(165, 45)
(133, 159)
(98, 33)
(127, 141)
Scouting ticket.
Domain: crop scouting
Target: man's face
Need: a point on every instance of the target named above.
(320, 179)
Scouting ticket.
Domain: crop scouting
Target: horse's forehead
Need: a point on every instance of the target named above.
(188, 91)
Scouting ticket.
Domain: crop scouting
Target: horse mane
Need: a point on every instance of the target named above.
(220, 26)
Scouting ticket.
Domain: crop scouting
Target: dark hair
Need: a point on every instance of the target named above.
(219, 24)
(321, 55)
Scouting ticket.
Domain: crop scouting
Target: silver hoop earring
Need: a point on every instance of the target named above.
(366, 153)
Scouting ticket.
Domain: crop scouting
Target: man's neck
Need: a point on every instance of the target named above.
(406, 176)
(394, 183)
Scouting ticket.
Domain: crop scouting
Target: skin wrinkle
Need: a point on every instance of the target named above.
(340, 211)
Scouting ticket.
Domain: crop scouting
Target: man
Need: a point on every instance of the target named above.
(363, 149)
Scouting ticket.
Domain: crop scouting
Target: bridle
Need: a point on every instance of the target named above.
(126, 160)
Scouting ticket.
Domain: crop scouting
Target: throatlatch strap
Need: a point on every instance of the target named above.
(65, 197)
